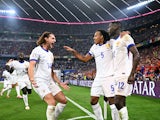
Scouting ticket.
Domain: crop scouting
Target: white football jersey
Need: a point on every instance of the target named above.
(103, 58)
(122, 57)
(20, 67)
(44, 61)
(7, 76)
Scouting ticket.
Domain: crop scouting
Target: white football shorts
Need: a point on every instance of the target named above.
(103, 86)
(45, 87)
(122, 87)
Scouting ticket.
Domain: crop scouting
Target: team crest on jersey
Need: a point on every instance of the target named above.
(108, 45)
(117, 44)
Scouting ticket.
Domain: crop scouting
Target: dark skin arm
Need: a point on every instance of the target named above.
(84, 58)
(136, 59)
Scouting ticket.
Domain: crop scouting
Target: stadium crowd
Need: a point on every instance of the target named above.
(144, 30)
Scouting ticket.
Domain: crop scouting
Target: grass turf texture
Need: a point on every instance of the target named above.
(139, 107)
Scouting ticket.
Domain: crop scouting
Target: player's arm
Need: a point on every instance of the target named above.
(56, 79)
(136, 59)
(84, 58)
(31, 72)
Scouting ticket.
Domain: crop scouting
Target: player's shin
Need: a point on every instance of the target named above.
(58, 109)
(97, 111)
(50, 112)
(114, 112)
(123, 112)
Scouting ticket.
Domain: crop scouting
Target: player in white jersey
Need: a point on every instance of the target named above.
(7, 85)
(126, 58)
(43, 77)
(15, 84)
(21, 68)
(104, 82)
(14, 79)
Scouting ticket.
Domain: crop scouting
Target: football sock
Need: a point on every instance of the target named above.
(25, 99)
(97, 111)
(50, 112)
(114, 112)
(123, 112)
(18, 90)
(8, 92)
(58, 109)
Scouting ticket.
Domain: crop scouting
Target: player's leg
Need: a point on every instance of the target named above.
(9, 90)
(122, 91)
(49, 99)
(109, 91)
(96, 107)
(8, 93)
(114, 111)
(7, 87)
(62, 101)
(96, 91)
(25, 97)
(59, 97)
(29, 87)
(45, 94)
(18, 91)
(121, 106)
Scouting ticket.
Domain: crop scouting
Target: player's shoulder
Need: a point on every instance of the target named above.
(125, 36)
(37, 48)
(93, 46)
(108, 44)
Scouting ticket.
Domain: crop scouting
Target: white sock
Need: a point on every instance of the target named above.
(97, 111)
(123, 113)
(8, 92)
(5, 89)
(114, 112)
(18, 90)
(50, 112)
(25, 99)
(58, 109)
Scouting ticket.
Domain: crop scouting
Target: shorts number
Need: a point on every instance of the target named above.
(120, 85)
(112, 88)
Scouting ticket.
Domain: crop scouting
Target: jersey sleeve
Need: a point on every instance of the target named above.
(129, 42)
(34, 56)
(91, 51)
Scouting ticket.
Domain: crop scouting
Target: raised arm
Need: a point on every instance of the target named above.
(84, 58)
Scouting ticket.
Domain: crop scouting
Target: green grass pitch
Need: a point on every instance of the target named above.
(140, 108)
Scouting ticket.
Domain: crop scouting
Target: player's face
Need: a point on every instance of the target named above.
(50, 41)
(98, 38)
(21, 56)
(112, 29)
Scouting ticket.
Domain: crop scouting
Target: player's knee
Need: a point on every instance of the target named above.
(29, 91)
(111, 100)
(24, 90)
(64, 101)
(105, 99)
(94, 100)
(120, 102)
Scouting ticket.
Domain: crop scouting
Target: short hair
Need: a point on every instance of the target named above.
(41, 39)
(105, 35)
(117, 23)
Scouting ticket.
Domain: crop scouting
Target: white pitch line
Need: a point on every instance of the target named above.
(77, 118)
(82, 108)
